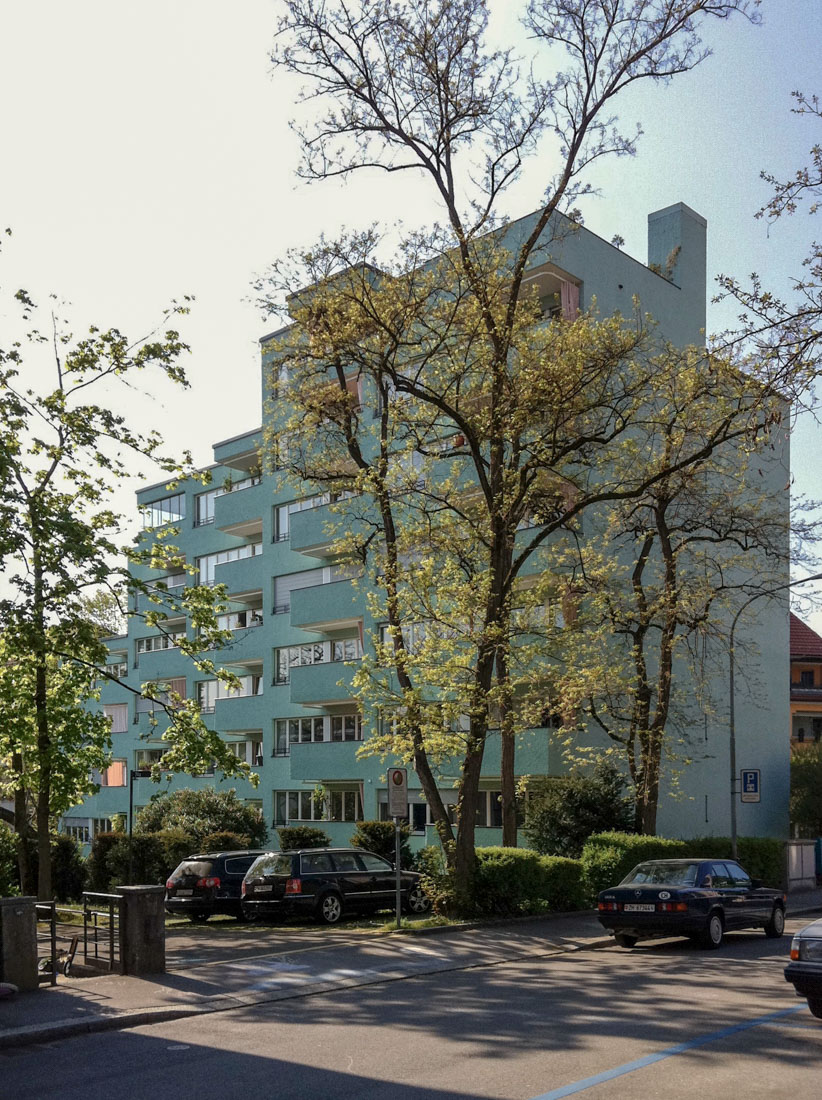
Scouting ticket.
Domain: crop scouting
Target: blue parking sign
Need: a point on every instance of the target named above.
(750, 785)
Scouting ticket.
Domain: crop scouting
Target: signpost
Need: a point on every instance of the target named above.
(750, 785)
(398, 809)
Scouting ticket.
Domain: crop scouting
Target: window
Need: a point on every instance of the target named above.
(114, 775)
(296, 806)
(163, 696)
(147, 758)
(345, 805)
(347, 649)
(284, 512)
(806, 678)
(158, 642)
(77, 828)
(346, 727)
(308, 578)
(489, 810)
(297, 731)
(240, 620)
(118, 671)
(204, 507)
(250, 752)
(207, 564)
(209, 691)
(167, 510)
(117, 713)
(101, 825)
(295, 656)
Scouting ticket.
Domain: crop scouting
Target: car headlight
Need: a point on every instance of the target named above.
(808, 950)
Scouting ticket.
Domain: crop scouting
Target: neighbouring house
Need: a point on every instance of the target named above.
(806, 684)
(299, 624)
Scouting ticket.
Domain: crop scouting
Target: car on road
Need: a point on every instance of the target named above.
(209, 883)
(698, 898)
(805, 968)
(325, 883)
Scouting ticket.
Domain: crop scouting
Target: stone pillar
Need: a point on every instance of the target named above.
(142, 930)
(18, 942)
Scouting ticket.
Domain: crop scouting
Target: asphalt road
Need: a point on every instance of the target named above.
(666, 1020)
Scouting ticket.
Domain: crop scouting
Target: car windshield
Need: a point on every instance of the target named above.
(200, 868)
(275, 863)
(663, 874)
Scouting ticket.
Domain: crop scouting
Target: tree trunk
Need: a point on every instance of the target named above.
(508, 793)
(41, 717)
(23, 829)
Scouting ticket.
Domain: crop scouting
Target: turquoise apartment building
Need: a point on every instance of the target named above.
(298, 622)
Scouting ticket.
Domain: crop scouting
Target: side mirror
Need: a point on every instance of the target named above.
(756, 883)
(706, 883)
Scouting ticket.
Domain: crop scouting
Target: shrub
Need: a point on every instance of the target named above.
(146, 859)
(99, 876)
(226, 842)
(508, 880)
(563, 888)
(69, 872)
(202, 812)
(302, 836)
(562, 813)
(9, 875)
(429, 861)
(378, 837)
(608, 857)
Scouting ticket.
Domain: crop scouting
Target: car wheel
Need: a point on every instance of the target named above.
(624, 940)
(198, 918)
(776, 925)
(714, 931)
(330, 908)
(815, 1005)
(417, 901)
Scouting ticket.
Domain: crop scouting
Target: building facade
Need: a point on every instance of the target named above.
(806, 684)
(299, 625)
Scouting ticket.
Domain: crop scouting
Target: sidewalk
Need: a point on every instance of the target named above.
(212, 971)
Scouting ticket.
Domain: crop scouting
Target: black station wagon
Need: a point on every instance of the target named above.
(698, 898)
(325, 882)
(209, 883)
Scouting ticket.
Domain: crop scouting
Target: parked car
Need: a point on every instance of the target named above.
(325, 882)
(209, 883)
(698, 898)
(805, 968)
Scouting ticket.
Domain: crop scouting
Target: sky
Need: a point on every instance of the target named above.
(146, 155)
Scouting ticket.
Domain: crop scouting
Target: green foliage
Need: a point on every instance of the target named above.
(563, 887)
(154, 857)
(806, 790)
(68, 868)
(302, 836)
(562, 813)
(378, 837)
(9, 877)
(512, 881)
(225, 842)
(429, 860)
(199, 813)
(608, 857)
(99, 875)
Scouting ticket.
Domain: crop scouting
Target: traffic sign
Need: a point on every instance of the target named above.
(397, 792)
(750, 785)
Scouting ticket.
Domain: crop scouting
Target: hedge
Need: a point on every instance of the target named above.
(608, 857)
(379, 837)
(302, 836)
(519, 880)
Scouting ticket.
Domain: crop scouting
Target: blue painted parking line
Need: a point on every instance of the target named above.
(649, 1059)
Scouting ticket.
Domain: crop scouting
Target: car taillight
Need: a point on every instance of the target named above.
(170, 884)
(242, 889)
(208, 882)
(294, 886)
(608, 906)
(672, 906)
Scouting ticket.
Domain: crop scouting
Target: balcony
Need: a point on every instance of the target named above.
(335, 606)
(240, 713)
(241, 452)
(318, 685)
(243, 575)
(314, 531)
(319, 760)
(239, 512)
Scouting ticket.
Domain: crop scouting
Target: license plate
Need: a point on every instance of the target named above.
(263, 889)
(184, 893)
(629, 907)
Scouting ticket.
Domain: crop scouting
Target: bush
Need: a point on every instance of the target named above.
(202, 812)
(9, 875)
(563, 888)
(562, 813)
(608, 857)
(302, 836)
(378, 837)
(99, 876)
(508, 880)
(226, 842)
(429, 861)
(69, 872)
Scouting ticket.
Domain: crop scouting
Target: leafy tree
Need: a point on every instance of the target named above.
(443, 342)
(200, 813)
(302, 836)
(563, 812)
(63, 451)
(378, 837)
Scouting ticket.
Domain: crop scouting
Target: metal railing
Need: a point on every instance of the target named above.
(101, 929)
(57, 942)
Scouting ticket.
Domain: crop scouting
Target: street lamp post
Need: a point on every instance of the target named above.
(138, 773)
(731, 699)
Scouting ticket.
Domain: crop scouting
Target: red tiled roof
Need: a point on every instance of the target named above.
(804, 641)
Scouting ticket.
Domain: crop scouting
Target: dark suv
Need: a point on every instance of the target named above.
(324, 882)
(209, 883)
